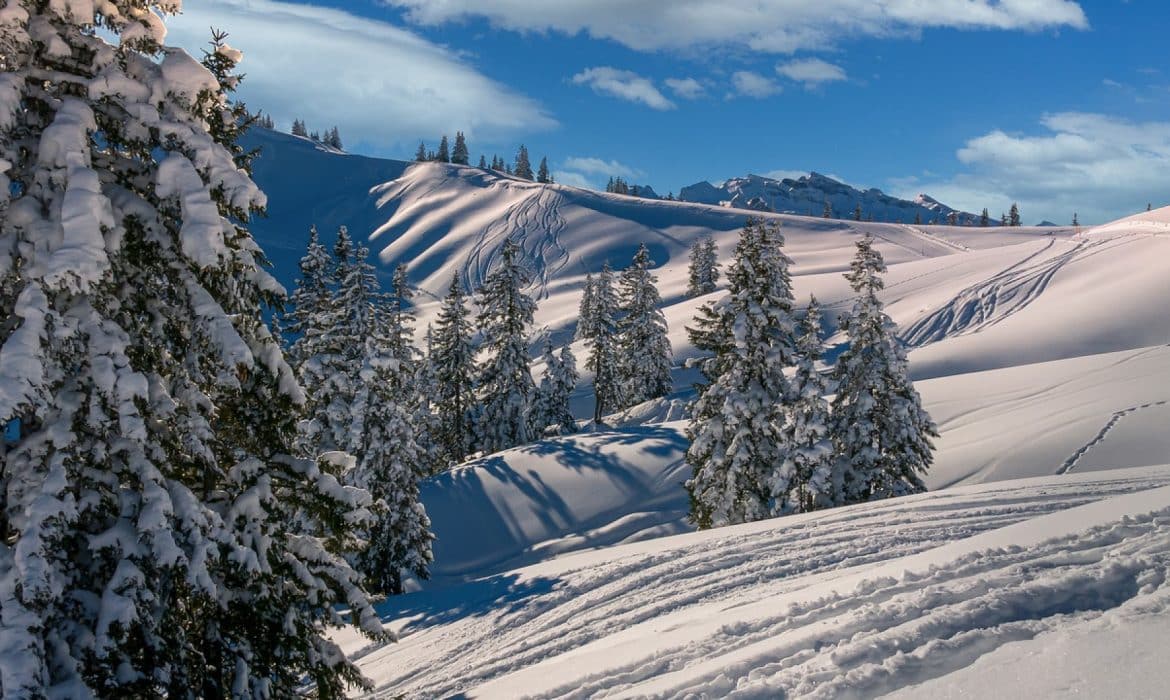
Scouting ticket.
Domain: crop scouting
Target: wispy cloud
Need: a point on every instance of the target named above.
(685, 88)
(1097, 165)
(811, 71)
(623, 84)
(344, 74)
(776, 26)
(599, 166)
(590, 172)
(751, 84)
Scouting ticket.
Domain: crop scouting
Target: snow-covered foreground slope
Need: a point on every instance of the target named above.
(852, 602)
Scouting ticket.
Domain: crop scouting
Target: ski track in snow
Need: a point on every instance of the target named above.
(536, 224)
(1071, 462)
(891, 634)
(989, 301)
(933, 238)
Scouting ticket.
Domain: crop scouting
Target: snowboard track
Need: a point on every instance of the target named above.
(893, 633)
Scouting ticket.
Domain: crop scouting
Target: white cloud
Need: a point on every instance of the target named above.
(811, 71)
(599, 166)
(574, 179)
(685, 88)
(623, 84)
(1100, 166)
(382, 85)
(779, 26)
(753, 84)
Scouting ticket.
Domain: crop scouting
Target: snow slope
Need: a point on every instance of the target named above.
(1040, 352)
(1037, 350)
(852, 602)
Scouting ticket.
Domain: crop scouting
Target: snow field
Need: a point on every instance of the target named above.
(863, 600)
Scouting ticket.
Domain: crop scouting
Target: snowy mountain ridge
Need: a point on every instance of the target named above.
(808, 194)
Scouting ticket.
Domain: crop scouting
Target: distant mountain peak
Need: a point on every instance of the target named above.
(807, 195)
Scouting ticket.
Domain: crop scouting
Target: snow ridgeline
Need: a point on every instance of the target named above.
(851, 602)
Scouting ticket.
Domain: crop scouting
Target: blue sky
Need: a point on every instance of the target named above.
(1062, 106)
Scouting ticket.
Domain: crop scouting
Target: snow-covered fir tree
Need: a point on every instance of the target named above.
(542, 173)
(390, 463)
(310, 305)
(459, 154)
(523, 165)
(420, 155)
(333, 138)
(601, 337)
(504, 382)
(1014, 215)
(703, 276)
(328, 368)
(740, 454)
(444, 154)
(453, 358)
(585, 308)
(299, 128)
(807, 429)
(398, 322)
(482, 162)
(881, 434)
(643, 347)
(155, 542)
(551, 407)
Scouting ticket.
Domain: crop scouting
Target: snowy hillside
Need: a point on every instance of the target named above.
(807, 195)
(1046, 581)
(1041, 353)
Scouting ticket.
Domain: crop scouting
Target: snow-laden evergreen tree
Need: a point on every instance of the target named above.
(985, 218)
(523, 166)
(881, 434)
(807, 429)
(643, 347)
(398, 324)
(333, 138)
(1014, 215)
(857, 212)
(542, 173)
(585, 309)
(444, 154)
(327, 366)
(740, 454)
(704, 267)
(299, 128)
(390, 464)
(482, 162)
(311, 303)
(601, 337)
(156, 537)
(395, 326)
(459, 154)
(426, 415)
(505, 383)
(420, 156)
(453, 357)
(828, 211)
(551, 408)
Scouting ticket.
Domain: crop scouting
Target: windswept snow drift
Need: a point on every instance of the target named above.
(852, 602)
